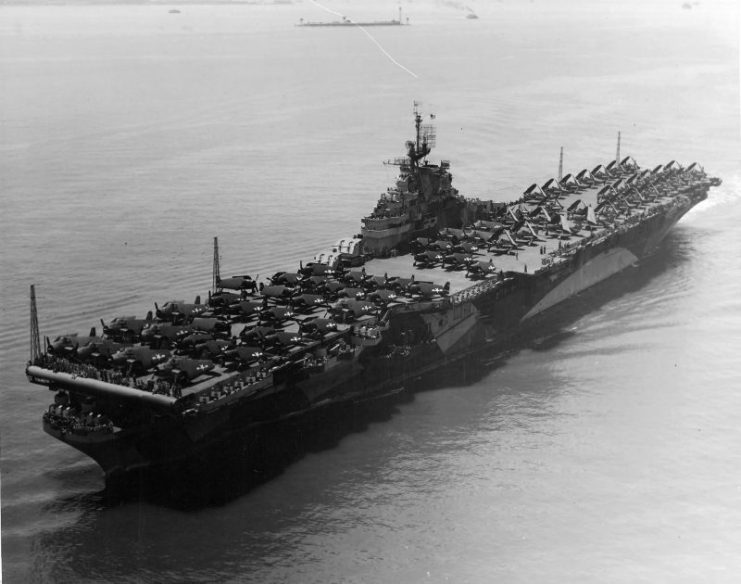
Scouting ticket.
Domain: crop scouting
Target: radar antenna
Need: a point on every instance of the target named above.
(425, 137)
(35, 337)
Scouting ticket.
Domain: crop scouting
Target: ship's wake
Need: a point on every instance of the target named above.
(372, 39)
(727, 194)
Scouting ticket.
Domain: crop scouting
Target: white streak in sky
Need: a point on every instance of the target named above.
(384, 51)
(327, 9)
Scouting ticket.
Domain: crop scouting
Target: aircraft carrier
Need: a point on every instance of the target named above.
(432, 279)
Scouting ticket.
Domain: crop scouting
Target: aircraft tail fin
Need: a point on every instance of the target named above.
(92, 332)
(149, 315)
(198, 299)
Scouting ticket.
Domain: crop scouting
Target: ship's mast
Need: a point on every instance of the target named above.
(417, 124)
(217, 268)
(35, 337)
(560, 166)
(424, 138)
(617, 154)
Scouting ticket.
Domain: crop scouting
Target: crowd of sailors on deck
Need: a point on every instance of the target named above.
(62, 365)
(367, 332)
(69, 419)
(83, 418)
(230, 387)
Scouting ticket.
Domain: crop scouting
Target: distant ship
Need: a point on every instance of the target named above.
(434, 278)
(347, 22)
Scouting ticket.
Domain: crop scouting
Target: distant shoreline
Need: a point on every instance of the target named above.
(148, 2)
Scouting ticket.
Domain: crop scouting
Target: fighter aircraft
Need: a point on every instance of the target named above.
(255, 335)
(278, 293)
(455, 261)
(376, 282)
(313, 284)
(332, 288)
(465, 247)
(242, 356)
(67, 345)
(188, 342)
(427, 259)
(184, 369)
(481, 269)
(139, 358)
(349, 309)
(585, 177)
(600, 172)
(317, 327)
(242, 283)
(222, 300)
(382, 297)
(441, 245)
(570, 183)
(357, 293)
(316, 269)
(98, 349)
(177, 311)
(213, 349)
(454, 235)
(282, 339)
(505, 244)
(419, 244)
(126, 328)
(286, 279)
(307, 302)
(248, 308)
(429, 289)
(163, 334)
(551, 187)
(215, 326)
(355, 278)
(276, 315)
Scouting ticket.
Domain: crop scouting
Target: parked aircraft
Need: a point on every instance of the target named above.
(306, 302)
(126, 328)
(317, 327)
(276, 315)
(65, 345)
(427, 259)
(98, 349)
(243, 283)
(456, 261)
(481, 269)
(139, 358)
(178, 311)
(184, 369)
(242, 356)
(163, 334)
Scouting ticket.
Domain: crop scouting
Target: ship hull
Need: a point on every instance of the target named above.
(478, 328)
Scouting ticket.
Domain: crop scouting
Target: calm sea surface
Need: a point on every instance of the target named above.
(131, 136)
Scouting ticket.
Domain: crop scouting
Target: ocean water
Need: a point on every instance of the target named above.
(607, 451)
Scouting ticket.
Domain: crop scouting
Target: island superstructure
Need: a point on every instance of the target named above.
(433, 278)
